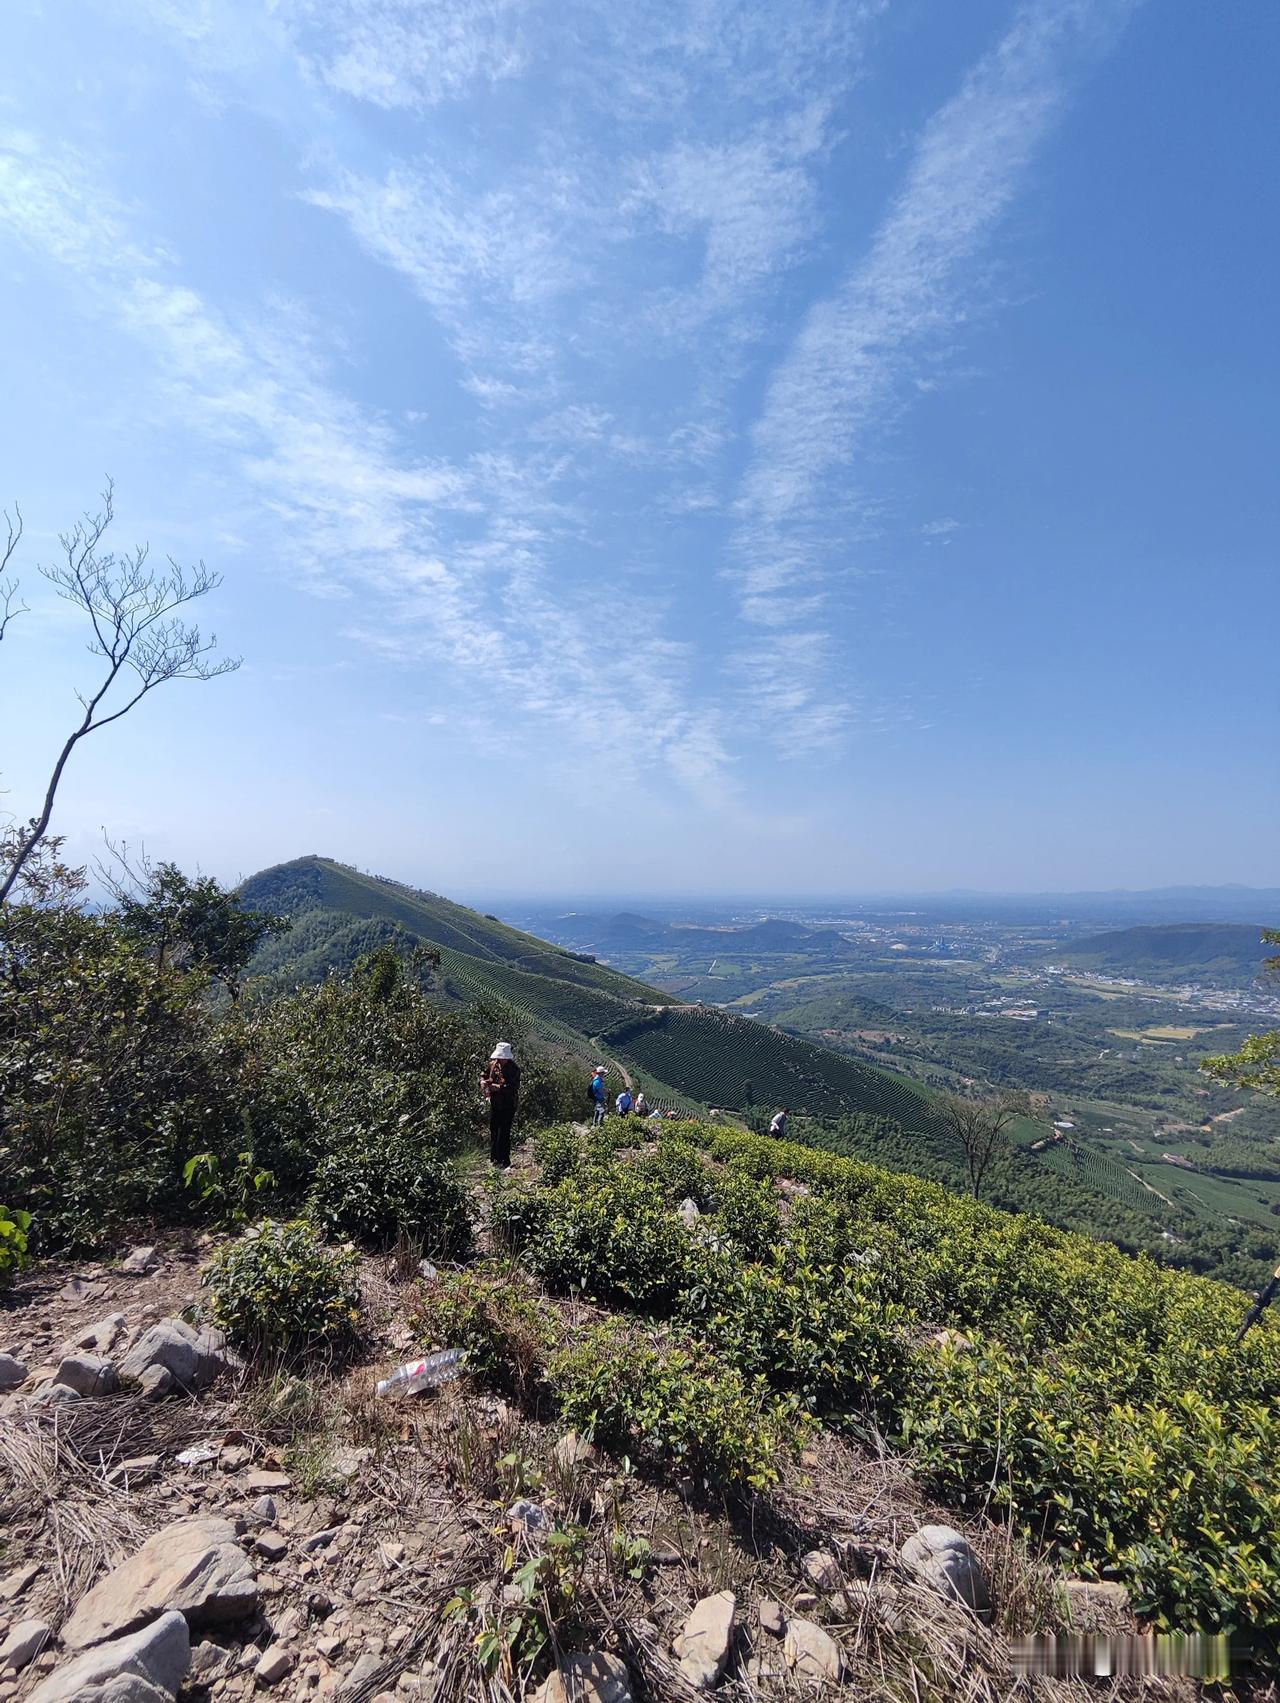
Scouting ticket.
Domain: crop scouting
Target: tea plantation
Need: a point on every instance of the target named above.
(1097, 1401)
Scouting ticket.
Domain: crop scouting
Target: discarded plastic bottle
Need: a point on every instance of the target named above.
(418, 1375)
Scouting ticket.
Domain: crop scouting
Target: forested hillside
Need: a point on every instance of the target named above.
(1215, 953)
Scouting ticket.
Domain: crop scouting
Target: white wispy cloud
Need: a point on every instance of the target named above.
(839, 381)
(447, 562)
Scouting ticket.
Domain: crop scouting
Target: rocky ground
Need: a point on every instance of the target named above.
(178, 1525)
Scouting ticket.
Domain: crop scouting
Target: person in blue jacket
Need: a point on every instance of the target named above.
(625, 1103)
(599, 1095)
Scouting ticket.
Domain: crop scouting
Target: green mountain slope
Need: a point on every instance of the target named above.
(703, 1054)
(1226, 954)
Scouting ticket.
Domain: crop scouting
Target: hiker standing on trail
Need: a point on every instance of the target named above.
(597, 1095)
(625, 1103)
(641, 1107)
(778, 1128)
(501, 1087)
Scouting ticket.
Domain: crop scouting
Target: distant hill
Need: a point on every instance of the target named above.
(1223, 954)
(629, 932)
(695, 1051)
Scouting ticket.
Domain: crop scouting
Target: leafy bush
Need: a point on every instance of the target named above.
(506, 1331)
(675, 1405)
(280, 1290)
(558, 1151)
(375, 1185)
(14, 1225)
(678, 1171)
(747, 1214)
(610, 1234)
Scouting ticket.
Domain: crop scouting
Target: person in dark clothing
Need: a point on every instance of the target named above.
(501, 1085)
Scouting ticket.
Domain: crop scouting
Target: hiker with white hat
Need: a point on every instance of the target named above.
(501, 1087)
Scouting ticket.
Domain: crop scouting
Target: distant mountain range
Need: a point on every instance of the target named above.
(629, 932)
(1212, 953)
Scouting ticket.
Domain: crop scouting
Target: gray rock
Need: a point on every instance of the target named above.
(25, 1641)
(88, 1375)
(588, 1676)
(772, 1617)
(707, 1638)
(1095, 1600)
(157, 1657)
(155, 1383)
(209, 1663)
(823, 1571)
(54, 1395)
(364, 1669)
(272, 1666)
(528, 1516)
(812, 1651)
(688, 1212)
(99, 1338)
(265, 1509)
(195, 1566)
(12, 1372)
(943, 1559)
(271, 1546)
(188, 1356)
(13, 1584)
(138, 1262)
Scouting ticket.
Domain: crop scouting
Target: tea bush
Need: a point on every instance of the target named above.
(610, 1235)
(375, 1185)
(280, 1291)
(675, 1405)
(507, 1332)
(1101, 1404)
(558, 1150)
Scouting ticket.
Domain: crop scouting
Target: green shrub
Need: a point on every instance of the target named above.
(506, 1331)
(375, 1186)
(610, 1234)
(280, 1290)
(674, 1405)
(678, 1172)
(747, 1214)
(14, 1225)
(558, 1151)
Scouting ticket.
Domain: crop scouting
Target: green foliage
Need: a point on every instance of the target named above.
(558, 1151)
(506, 1331)
(540, 1595)
(107, 1079)
(14, 1225)
(280, 1291)
(674, 1405)
(610, 1234)
(198, 924)
(377, 1185)
(228, 1189)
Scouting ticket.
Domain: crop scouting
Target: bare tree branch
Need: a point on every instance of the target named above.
(980, 1130)
(9, 605)
(132, 611)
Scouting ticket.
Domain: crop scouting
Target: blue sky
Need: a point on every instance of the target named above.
(667, 447)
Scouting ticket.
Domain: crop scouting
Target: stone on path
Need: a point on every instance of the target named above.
(573, 1450)
(24, 1643)
(12, 1372)
(195, 1566)
(13, 1584)
(99, 1338)
(272, 1665)
(54, 1395)
(192, 1358)
(138, 1262)
(88, 1375)
(812, 1651)
(707, 1638)
(155, 1382)
(588, 1676)
(943, 1559)
(823, 1571)
(156, 1658)
(772, 1618)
